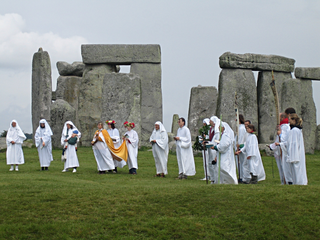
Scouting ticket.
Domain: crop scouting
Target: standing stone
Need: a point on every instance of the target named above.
(307, 73)
(297, 93)
(203, 104)
(241, 81)
(121, 54)
(61, 111)
(41, 87)
(121, 100)
(318, 138)
(266, 104)
(256, 62)
(90, 100)
(68, 89)
(151, 97)
(175, 125)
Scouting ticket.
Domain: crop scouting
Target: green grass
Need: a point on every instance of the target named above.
(53, 205)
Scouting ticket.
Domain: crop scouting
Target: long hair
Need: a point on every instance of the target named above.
(298, 120)
(241, 119)
(251, 126)
(113, 126)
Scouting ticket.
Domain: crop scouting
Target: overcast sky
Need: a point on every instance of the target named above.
(192, 35)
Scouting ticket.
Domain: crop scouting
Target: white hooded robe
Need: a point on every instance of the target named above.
(71, 154)
(44, 135)
(160, 148)
(115, 135)
(14, 151)
(184, 152)
(132, 146)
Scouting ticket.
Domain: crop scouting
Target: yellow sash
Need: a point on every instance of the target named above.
(118, 154)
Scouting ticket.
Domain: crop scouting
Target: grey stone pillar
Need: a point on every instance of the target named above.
(241, 81)
(121, 100)
(151, 97)
(90, 100)
(203, 104)
(175, 125)
(41, 87)
(266, 105)
(61, 111)
(297, 93)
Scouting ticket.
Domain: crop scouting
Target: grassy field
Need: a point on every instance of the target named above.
(85, 205)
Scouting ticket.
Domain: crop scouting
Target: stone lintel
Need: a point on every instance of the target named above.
(122, 54)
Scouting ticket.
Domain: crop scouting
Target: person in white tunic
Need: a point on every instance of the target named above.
(101, 151)
(68, 132)
(184, 151)
(214, 134)
(253, 163)
(115, 136)
(241, 141)
(14, 140)
(227, 163)
(132, 140)
(282, 133)
(43, 143)
(160, 149)
(205, 154)
(294, 149)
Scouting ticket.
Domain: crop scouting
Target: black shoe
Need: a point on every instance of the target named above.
(42, 169)
(46, 168)
(290, 183)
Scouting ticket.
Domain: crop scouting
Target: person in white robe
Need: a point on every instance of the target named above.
(132, 140)
(71, 158)
(43, 143)
(240, 143)
(205, 154)
(184, 151)
(253, 170)
(160, 149)
(225, 158)
(214, 134)
(101, 151)
(294, 150)
(281, 159)
(14, 140)
(115, 136)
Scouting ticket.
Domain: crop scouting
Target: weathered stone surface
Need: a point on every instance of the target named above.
(318, 138)
(68, 89)
(74, 69)
(256, 62)
(297, 93)
(41, 87)
(170, 137)
(266, 106)
(151, 97)
(175, 125)
(90, 100)
(3, 143)
(203, 104)
(172, 146)
(307, 73)
(241, 81)
(61, 111)
(120, 53)
(121, 100)
(268, 151)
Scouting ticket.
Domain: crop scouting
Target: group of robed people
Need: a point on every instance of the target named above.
(225, 154)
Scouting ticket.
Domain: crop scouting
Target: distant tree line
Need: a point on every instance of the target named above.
(4, 134)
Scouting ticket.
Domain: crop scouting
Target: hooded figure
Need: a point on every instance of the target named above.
(205, 154)
(14, 139)
(226, 156)
(70, 131)
(132, 141)
(43, 143)
(160, 150)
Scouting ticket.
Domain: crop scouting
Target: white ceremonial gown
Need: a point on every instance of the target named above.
(102, 155)
(45, 152)
(14, 151)
(283, 166)
(160, 148)
(184, 152)
(70, 153)
(114, 134)
(294, 149)
(241, 140)
(132, 146)
(226, 156)
(253, 165)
